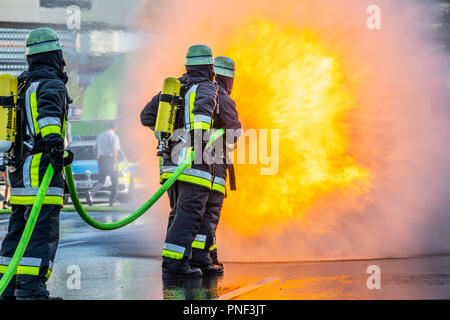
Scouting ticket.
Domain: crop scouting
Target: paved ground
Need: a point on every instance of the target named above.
(2, 191)
(124, 264)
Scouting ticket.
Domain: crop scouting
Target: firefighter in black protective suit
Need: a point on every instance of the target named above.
(44, 120)
(189, 195)
(225, 117)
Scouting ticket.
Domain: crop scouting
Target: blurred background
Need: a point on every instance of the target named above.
(393, 131)
(95, 49)
(364, 120)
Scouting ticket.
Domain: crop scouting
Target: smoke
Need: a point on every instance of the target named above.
(399, 131)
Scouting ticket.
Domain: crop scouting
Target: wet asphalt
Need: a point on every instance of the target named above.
(125, 264)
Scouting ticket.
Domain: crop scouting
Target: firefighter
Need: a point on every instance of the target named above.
(46, 104)
(225, 117)
(190, 193)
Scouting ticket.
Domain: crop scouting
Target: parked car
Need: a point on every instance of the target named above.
(2, 170)
(85, 171)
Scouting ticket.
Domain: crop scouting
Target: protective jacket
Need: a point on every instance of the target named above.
(46, 104)
(200, 95)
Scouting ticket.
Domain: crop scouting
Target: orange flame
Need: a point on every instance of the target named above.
(287, 80)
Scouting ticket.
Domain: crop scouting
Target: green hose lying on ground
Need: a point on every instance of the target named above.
(9, 273)
(88, 209)
(29, 227)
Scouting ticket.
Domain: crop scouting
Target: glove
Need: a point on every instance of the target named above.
(56, 157)
(230, 146)
(69, 159)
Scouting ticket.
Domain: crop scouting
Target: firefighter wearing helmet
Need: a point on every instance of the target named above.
(43, 92)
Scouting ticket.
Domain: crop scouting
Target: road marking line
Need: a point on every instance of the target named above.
(70, 243)
(253, 286)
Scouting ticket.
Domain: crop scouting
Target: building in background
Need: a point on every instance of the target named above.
(12, 49)
(95, 44)
(93, 34)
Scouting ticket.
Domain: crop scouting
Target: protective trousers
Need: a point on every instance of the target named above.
(191, 207)
(37, 263)
(207, 254)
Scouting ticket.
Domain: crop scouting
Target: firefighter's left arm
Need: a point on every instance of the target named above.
(150, 113)
(51, 100)
(229, 118)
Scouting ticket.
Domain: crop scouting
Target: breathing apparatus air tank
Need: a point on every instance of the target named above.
(8, 112)
(169, 102)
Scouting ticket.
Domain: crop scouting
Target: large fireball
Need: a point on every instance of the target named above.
(287, 80)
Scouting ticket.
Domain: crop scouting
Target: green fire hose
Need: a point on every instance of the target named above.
(139, 212)
(9, 273)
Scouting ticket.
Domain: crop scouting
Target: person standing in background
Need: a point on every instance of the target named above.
(6, 195)
(107, 147)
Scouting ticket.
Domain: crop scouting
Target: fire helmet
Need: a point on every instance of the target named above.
(224, 66)
(198, 55)
(42, 40)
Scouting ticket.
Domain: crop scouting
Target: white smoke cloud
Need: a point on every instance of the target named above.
(401, 129)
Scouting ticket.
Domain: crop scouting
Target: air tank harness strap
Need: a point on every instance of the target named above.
(230, 167)
(7, 102)
(173, 100)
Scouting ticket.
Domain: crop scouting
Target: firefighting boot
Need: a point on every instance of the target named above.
(172, 268)
(32, 288)
(214, 258)
(202, 260)
(212, 270)
(8, 293)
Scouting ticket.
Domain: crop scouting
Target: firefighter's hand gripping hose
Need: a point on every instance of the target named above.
(9, 273)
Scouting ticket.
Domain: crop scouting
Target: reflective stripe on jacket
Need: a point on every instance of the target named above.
(194, 118)
(41, 124)
(26, 180)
